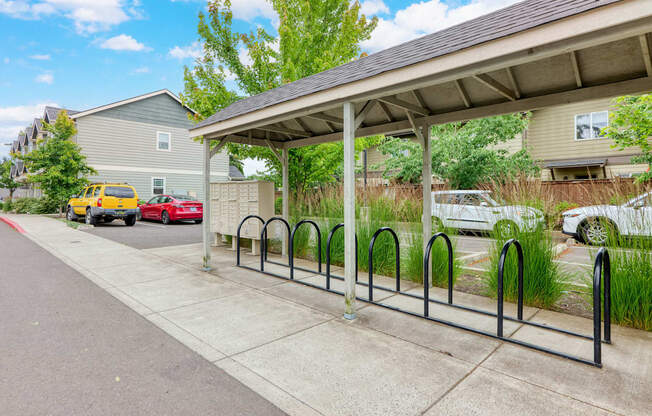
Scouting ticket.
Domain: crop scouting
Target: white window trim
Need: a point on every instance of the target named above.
(165, 184)
(169, 141)
(590, 113)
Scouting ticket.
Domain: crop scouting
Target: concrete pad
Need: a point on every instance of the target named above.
(360, 290)
(336, 367)
(186, 338)
(476, 301)
(489, 393)
(98, 258)
(237, 323)
(445, 339)
(165, 294)
(451, 314)
(623, 385)
(247, 277)
(148, 270)
(285, 271)
(311, 297)
(129, 301)
(269, 391)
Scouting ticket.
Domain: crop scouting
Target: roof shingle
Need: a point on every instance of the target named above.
(513, 19)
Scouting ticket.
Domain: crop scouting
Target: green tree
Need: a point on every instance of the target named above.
(58, 165)
(313, 36)
(464, 153)
(630, 125)
(6, 181)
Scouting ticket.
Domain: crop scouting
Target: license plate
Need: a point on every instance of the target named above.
(193, 209)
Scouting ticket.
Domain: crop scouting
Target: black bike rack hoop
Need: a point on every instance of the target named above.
(371, 260)
(426, 271)
(245, 219)
(602, 265)
(291, 250)
(500, 290)
(263, 239)
(328, 255)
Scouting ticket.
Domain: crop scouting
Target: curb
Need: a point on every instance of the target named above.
(12, 224)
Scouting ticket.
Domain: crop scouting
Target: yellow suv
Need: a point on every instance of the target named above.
(106, 202)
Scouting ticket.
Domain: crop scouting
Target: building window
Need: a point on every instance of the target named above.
(589, 126)
(163, 140)
(158, 186)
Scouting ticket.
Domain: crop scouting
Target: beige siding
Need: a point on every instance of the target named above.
(115, 142)
(551, 135)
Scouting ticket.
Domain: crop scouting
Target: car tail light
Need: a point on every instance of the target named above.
(99, 202)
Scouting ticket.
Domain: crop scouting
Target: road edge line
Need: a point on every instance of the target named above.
(12, 224)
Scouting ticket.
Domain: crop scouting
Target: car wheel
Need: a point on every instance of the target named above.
(90, 219)
(506, 229)
(130, 220)
(165, 218)
(70, 214)
(597, 231)
(198, 221)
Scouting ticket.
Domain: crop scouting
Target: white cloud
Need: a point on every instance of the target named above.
(253, 166)
(142, 70)
(88, 16)
(373, 7)
(14, 119)
(123, 43)
(41, 57)
(6, 60)
(45, 78)
(250, 9)
(426, 17)
(193, 51)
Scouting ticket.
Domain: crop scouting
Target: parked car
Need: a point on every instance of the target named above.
(594, 224)
(104, 202)
(168, 208)
(476, 211)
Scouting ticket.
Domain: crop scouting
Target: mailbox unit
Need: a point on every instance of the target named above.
(232, 201)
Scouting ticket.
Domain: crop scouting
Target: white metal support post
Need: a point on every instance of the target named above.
(286, 195)
(206, 222)
(427, 189)
(349, 210)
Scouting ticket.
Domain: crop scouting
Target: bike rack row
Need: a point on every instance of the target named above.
(601, 269)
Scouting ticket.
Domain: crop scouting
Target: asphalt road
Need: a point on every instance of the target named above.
(149, 234)
(67, 347)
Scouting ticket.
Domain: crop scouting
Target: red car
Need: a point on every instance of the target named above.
(168, 208)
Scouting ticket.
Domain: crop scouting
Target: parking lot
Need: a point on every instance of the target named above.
(149, 234)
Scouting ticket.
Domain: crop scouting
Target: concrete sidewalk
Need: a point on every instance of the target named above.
(289, 344)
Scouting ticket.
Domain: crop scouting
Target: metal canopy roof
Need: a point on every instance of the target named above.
(533, 54)
(577, 163)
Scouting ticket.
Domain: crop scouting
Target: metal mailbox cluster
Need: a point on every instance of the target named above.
(601, 271)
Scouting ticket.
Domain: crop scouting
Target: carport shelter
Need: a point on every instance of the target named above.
(533, 54)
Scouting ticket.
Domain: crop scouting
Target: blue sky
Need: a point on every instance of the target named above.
(83, 53)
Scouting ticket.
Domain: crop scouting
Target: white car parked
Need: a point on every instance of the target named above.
(477, 211)
(593, 224)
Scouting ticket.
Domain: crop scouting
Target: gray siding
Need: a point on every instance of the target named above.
(120, 144)
(142, 181)
(160, 109)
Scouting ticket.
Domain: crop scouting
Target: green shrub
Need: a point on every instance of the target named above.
(631, 282)
(543, 279)
(413, 260)
(554, 219)
(278, 206)
(7, 206)
(35, 206)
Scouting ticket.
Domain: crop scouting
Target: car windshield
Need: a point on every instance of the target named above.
(119, 192)
(183, 198)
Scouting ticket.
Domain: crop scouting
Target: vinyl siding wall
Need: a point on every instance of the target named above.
(121, 144)
(551, 135)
